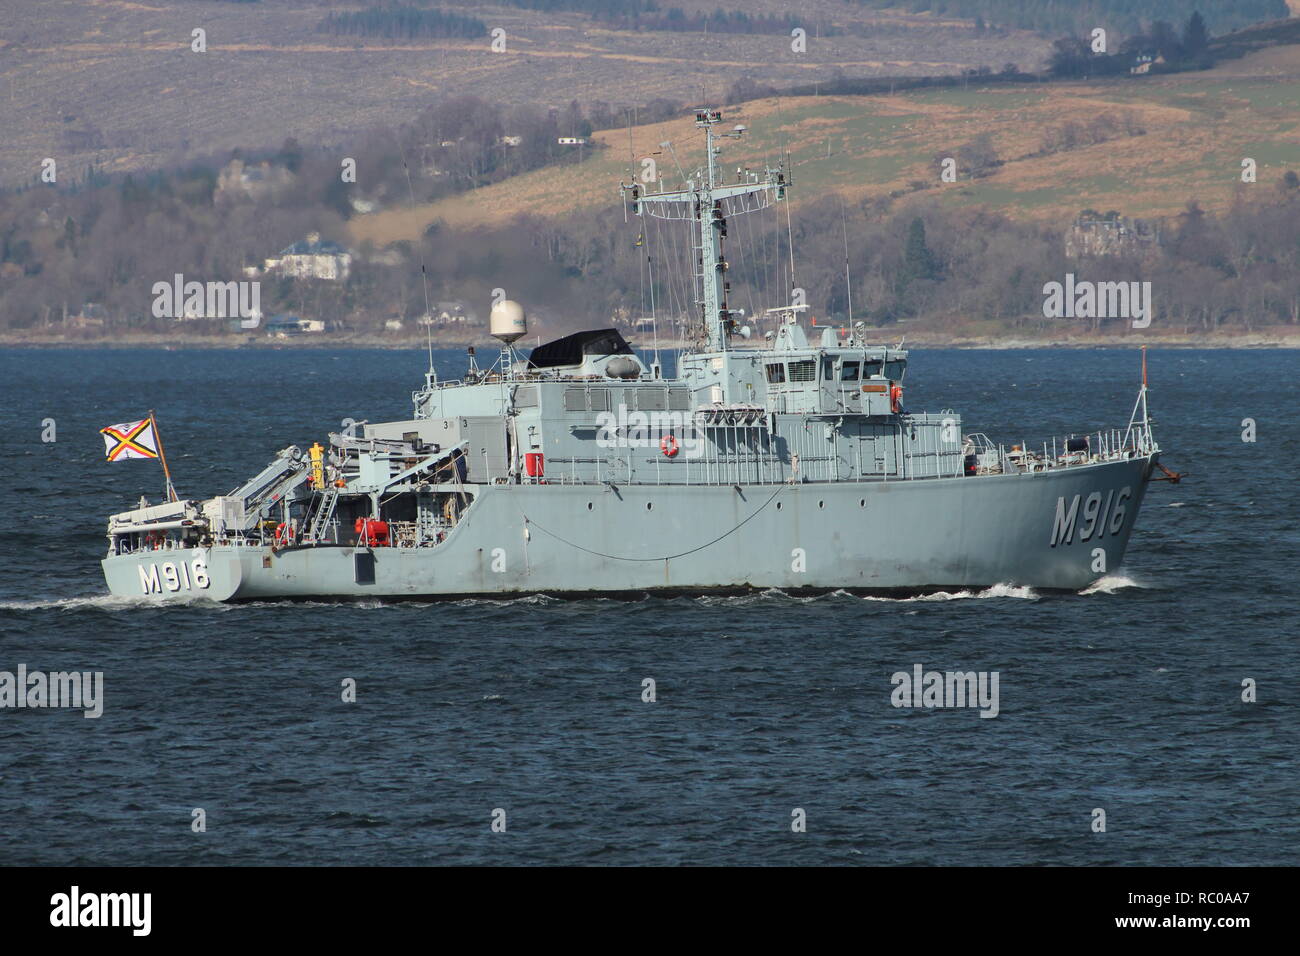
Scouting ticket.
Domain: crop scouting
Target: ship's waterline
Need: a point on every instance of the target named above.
(883, 536)
(583, 469)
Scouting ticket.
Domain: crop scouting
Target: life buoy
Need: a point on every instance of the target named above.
(895, 398)
(668, 445)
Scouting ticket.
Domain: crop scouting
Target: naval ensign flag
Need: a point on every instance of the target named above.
(137, 440)
(130, 440)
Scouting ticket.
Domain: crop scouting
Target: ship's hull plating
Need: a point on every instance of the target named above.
(581, 539)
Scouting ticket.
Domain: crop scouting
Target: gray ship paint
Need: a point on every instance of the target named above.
(579, 470)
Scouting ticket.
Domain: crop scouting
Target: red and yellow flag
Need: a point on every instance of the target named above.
(130, 440)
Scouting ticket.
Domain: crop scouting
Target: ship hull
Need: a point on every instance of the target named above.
(1037, 530)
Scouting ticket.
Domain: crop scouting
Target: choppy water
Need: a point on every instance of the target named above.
(1126, 697)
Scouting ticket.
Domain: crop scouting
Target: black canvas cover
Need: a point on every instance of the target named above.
(571, 349)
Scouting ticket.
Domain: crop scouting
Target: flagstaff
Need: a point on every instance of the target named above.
(162, 456)
(137, 440)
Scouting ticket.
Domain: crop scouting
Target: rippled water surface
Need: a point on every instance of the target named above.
(1126, 697)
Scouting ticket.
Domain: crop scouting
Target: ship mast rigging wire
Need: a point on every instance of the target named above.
(424, 277)
(848, 283)
(785, 150)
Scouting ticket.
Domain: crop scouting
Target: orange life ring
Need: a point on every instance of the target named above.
(895, 398)
(668, 445)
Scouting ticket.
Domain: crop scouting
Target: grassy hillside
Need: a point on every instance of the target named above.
(115, 83)
(1197, 127)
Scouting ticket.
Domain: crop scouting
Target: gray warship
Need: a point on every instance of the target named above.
(583, 469)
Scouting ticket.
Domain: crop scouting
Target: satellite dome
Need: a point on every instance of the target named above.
(507, 322)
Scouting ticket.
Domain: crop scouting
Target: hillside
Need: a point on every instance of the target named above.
(1195, 130)
(114, 82)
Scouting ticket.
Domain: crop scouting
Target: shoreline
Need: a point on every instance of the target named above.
(1270, 339)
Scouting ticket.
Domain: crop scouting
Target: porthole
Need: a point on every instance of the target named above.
(588, 505)
(778, 506)
(821, 504)
(649, 505)
(862, 502)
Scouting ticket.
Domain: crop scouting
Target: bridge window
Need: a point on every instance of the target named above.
(776, 373)
(873, 368)
(803, 371)
(849, 372)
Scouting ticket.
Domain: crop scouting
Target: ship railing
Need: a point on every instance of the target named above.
(122, 545)
(1103, 445)
(939, 439)
(803, 460)
(1139, 421)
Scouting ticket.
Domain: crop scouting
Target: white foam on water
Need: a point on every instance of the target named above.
(1009, 591)
(1110, 584)
(109, 602)
(537, 599)
(1019, 592)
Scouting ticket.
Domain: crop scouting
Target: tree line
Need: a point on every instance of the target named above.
(1074, 56)
(393, 19)
(97, 238)
(963, 270)
(401, 21)
(677, 20)
(1081, 16)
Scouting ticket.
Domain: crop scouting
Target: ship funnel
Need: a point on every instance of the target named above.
(507, 321)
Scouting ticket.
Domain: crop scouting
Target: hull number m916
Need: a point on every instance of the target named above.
(174, 576)
(1094, 520)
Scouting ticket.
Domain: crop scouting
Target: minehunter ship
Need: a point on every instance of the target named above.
(583, 470)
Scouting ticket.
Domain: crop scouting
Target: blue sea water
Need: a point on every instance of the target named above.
(1127, 697)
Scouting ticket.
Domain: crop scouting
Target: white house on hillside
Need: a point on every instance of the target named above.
(311, 258)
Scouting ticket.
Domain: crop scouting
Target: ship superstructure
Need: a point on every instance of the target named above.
(580, 469)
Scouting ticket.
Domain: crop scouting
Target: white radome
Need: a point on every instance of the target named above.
(507, 321)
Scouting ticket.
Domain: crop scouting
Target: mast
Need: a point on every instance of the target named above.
(707, 202)
(162, 457)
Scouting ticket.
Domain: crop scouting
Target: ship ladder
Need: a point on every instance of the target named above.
(324, 515)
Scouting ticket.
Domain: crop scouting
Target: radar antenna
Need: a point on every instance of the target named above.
(707, 204)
